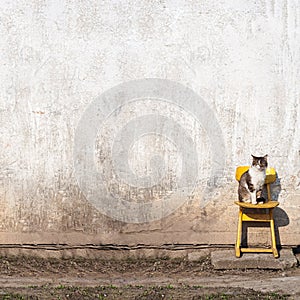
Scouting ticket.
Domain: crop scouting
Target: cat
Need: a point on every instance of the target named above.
(252, 181)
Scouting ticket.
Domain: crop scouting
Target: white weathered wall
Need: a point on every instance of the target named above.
(241, 57)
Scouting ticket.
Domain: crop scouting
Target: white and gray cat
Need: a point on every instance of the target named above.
(252, 181)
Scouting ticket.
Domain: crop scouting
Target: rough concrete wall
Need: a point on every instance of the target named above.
(60, 57)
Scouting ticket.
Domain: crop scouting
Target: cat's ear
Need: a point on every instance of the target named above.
(252, 156)
(266, 156)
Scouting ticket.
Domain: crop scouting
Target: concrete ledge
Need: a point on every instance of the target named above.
(222, 260)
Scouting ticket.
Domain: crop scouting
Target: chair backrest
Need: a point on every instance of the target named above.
(270, 174)
(270, 177)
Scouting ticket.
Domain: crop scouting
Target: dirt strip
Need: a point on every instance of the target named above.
(29, 278)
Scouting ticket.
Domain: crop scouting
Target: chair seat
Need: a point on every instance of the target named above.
(270, 204)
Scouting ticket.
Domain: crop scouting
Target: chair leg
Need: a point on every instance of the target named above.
(239, 235)
(273, 237)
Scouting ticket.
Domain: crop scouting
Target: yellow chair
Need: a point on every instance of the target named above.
(264, 214)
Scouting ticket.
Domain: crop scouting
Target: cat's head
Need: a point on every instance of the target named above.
(260, 163)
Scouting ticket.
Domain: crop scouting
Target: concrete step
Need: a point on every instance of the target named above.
(225, 259)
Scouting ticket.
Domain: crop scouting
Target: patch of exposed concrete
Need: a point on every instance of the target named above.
(222, 260)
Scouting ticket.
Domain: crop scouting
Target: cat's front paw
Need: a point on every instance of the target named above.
(245, 200)
(254, 202)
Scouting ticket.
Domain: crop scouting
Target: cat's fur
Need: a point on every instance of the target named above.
(252, 181)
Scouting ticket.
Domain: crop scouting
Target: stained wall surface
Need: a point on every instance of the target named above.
(123, 121)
